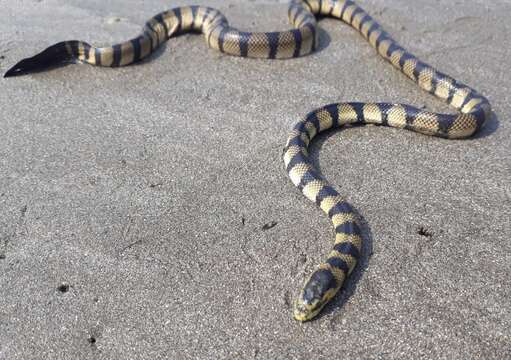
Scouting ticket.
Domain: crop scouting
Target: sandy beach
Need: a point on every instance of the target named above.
(133, 201)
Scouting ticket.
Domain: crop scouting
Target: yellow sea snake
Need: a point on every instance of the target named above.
(473, 109)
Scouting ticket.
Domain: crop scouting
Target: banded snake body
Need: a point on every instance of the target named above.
(473, 109)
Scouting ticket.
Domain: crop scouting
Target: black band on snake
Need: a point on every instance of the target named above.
(473, 109)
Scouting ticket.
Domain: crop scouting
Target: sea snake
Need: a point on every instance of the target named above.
(473, 108)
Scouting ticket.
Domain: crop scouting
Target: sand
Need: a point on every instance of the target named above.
(133, 200)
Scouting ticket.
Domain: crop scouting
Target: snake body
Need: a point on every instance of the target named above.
(473, 108)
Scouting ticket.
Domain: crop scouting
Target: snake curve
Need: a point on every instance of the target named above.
(473, 108)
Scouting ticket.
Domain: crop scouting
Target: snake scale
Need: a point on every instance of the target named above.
(473, 108)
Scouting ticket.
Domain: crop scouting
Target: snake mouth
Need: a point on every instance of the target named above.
(306, 312)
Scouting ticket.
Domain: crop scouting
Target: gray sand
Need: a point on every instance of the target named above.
(132, 200)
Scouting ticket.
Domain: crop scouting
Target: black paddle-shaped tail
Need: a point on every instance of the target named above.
(55, 55)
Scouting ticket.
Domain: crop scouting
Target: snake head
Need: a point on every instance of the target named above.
(52, 56)
(316, 293)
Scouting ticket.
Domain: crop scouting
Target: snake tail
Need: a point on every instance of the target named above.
(301, 40)
(52, 56)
